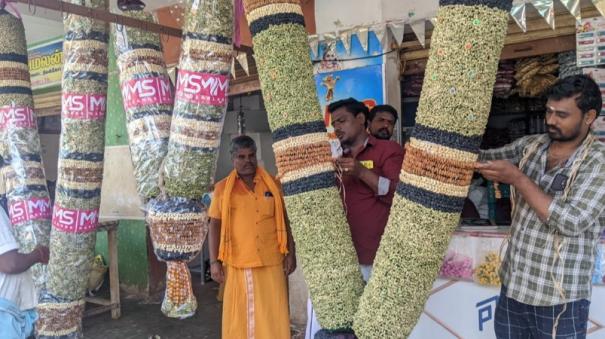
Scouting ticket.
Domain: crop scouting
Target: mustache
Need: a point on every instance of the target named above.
(553, 128)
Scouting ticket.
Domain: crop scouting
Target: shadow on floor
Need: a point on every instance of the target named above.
(143, 319)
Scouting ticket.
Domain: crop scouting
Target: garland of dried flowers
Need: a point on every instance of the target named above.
(28, 200)
(438, 167)
(177, 220)
(303, 158)
(148, 97)
(80, 173)
(201, 98)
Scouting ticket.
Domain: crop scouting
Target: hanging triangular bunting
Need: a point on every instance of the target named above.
(233, 68)
(546, 8)
(345, 38)
(242, 58)
(314, 45)
(433, 21)
(362, 36)
(380, 31)
(573, 6)
(328, 38)
(397, 29)
(419, 27)
(600, 6)
(518, 12)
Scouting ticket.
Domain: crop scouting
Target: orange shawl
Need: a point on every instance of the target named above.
(224, 251)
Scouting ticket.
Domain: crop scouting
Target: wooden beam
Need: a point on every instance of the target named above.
(103, 15)
(114, 281)
(513, 39)
(539, 47)
(244, 85)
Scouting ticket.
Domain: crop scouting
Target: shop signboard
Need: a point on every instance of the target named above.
(46, 64)
(464, 309)
(598, 75)
(590, 42)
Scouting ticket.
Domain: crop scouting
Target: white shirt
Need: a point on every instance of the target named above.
(17, 288)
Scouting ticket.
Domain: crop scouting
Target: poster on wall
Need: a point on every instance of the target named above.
(46, 63)
(590, 42)
(352, 72)
(598, 75)
(598, 128)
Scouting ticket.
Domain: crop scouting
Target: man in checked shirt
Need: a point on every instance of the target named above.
(559, 184)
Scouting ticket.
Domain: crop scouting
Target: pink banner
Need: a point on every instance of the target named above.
(146, 91)
(31, 209)
(84, 106)
(202, 88)
(17, 116)
(75, 221)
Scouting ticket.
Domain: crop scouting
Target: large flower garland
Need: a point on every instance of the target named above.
(28, 199)
(80, 173)
(303, 157)
(438, 167)
(147, 95)
(201, 98)
(177, 218)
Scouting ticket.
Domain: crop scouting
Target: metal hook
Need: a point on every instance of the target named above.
(119, 24)
(29, 8)
(65, 15)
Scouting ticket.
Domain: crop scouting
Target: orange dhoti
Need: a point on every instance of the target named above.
(255, 303)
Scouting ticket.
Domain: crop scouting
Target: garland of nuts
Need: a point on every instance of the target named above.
(452, 114)
(28, 200)
(80, 173)
(303, 158)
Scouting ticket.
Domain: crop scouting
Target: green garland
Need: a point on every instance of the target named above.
(199, 111)
(453, 111)
(147, 103)
(177, 219)
(20, 149)
(80, 174)
(322, 235)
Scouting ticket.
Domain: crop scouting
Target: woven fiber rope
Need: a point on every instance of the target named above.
(28, 200)
(323, 240)
(452, 115)
(82, 143)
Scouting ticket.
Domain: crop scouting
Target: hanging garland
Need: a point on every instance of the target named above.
(438, 166)
(28, 200)
(147, 95)
(177, 220)
(201, 98)
(80, 173)
(303, 157)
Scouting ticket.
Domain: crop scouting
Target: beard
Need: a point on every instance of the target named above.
(382, 134)
(556, 134)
